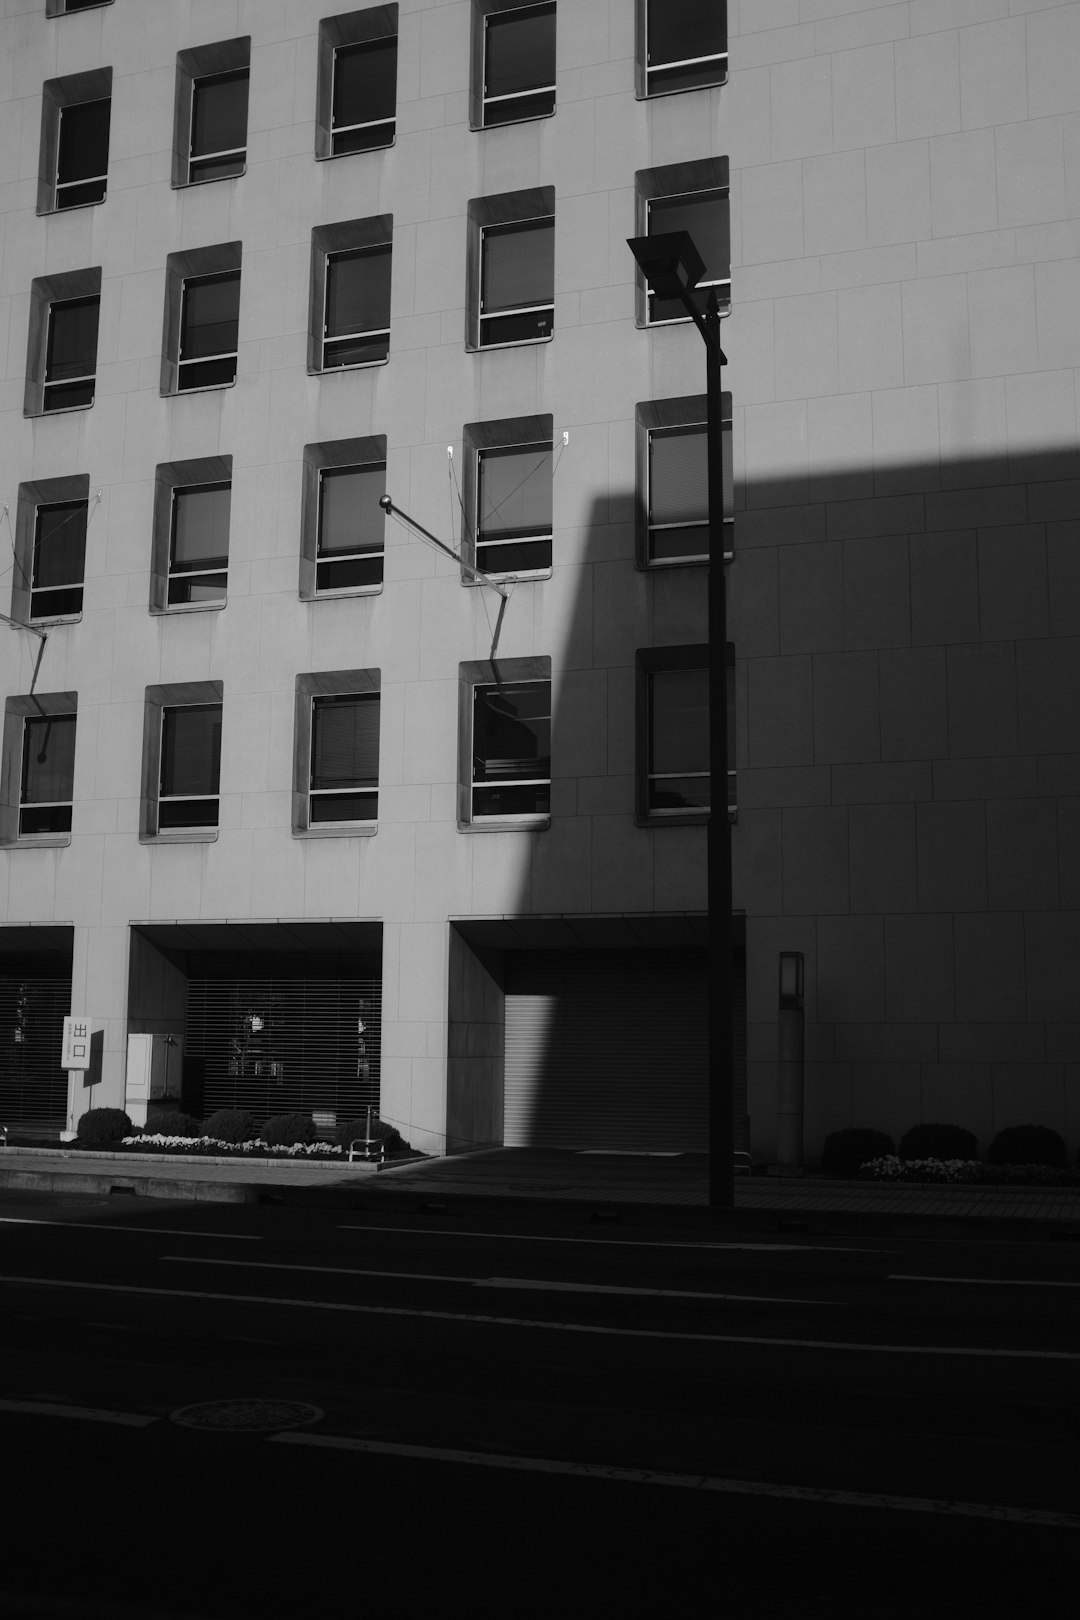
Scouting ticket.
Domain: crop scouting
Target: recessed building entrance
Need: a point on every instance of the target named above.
(35, 998)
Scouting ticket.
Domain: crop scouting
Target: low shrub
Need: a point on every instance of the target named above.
(971, 1171)
(282, 1130)
(354, 1130)
(1027, 1144)
(938, 1142)
(845, 1151)
(230, 1125)
(160, 1121)
(102, 1127)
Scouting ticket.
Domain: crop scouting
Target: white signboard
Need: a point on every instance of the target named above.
(76, 1043)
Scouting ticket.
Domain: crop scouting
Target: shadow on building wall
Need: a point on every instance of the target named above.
(908, 746)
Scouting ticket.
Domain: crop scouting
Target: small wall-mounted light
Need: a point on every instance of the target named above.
(791, 978)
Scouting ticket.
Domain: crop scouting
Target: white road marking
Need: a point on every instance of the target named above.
(692, 1482)
(108, 1226)
(987, 1282)
(487, 1282)
(553, 1327)
(648, 1293)
(619, 1243)
(93, 1414)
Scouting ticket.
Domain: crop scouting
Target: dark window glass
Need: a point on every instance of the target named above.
(59, 559)
(48, 771)
(512, 749)
(513, 528)
(365, 90)
(209, 329)
(344, 758)
(706, 216)
(219, 107)
(190, 766)
(71, 353)
(687, 44)
(81, 5)
(82, 159)
(678, 768)
(678, 494)
(356, 325)
(517, 282)
(351, 521)
(199, 552)
(519, 64)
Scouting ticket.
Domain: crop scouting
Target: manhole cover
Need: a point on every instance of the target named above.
(247, 1416)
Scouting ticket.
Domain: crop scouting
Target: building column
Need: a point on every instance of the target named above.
(99, 976)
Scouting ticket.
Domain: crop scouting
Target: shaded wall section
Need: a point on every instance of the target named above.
(476, 1034)
(909, 788)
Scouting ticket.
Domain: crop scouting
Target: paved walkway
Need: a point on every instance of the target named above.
(527, 1177)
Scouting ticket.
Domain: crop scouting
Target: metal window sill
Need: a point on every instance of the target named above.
(37, 841)
(203, 388)
(72, 208)
(520, 343)
(200, 836)
(343, 594)
(335, 371)
(523, 824)
(42, 623)
(58, 410)
(333, 157)
(210, 180)
(178, 608)
(509, 123)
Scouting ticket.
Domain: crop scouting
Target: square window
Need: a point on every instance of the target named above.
(209, 331)
(350, 541)
(511, 751)
(356, 314)
(692, 197)
(674, 780)
(518, 55)
(73, 158)
(190, 767)
(57, 567)
(363, 104)
(199, 545)
(673, 481)
(678, 758)
(47, 774)
(344, 777)
(513, 509)
(71, 353)
(219, 109)
(682, 45)
(211, 111)
(517, 282)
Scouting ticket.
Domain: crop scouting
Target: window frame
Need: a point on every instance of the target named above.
(331, 456)
(669, 416)
(198, 264)
(475, 677)
(171, 477)
(202, 63)
(369, 27)
(177, 574)
(159, 700)
(18, 711)
(502, 214)
(642, 69)
(348, 238)
(219, 278)
(651, 661)
(59, 97)
(483, 11)
(32, 498)
(701, 179)
(46, 292)
(480, 439)
(311, 689)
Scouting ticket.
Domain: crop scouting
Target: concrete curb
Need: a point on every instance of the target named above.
(232, 1161)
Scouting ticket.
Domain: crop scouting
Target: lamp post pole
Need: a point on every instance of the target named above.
(672, 267)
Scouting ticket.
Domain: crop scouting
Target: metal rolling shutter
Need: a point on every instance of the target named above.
(33, 1086)
(606, 1049)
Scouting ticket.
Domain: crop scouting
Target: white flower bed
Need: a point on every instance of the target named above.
(298, 1150)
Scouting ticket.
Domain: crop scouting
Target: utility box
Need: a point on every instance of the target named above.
(154, 1073)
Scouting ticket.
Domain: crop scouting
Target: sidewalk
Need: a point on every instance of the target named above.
(537, 1183)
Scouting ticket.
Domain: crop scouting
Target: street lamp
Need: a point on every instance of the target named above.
(672, 267)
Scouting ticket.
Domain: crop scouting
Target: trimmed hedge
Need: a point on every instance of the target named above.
(230, 1125)
(101, 1127)
(282, 1130)
(845, 1151)
(938, 1142)
(161, 1122)
(1027, 1144)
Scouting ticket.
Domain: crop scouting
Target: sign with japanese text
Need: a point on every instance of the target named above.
(77, 1046)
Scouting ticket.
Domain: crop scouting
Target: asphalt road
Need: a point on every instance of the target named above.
(509, 1418)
